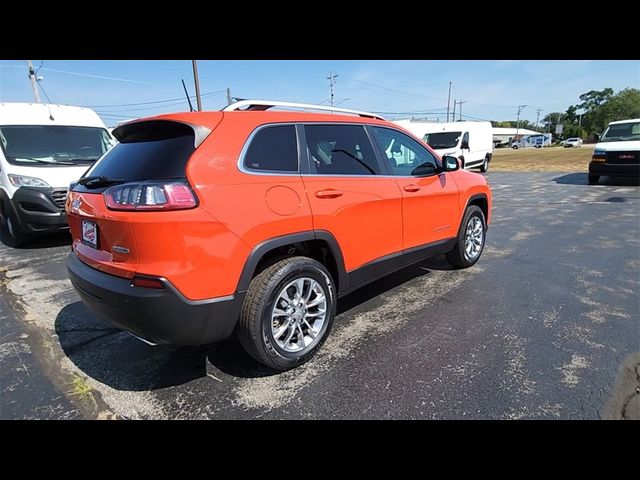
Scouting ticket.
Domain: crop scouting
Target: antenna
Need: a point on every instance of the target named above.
(187, 94)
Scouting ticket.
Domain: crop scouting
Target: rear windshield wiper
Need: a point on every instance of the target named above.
(99, 181)
(40, 160)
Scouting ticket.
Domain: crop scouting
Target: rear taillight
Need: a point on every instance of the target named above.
(173, 195)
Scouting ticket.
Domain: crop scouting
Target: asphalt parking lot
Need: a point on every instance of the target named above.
(543, 326)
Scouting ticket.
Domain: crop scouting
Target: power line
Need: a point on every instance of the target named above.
(153, 102)
(393, 89)
(96, 76)
(420, 112)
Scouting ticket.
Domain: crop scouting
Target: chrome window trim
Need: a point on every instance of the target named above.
(247, 144)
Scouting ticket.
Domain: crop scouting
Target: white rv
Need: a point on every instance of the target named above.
(471, 142)
(44, 148)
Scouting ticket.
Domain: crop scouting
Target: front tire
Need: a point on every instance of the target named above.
(287, 313)
(10, 232)
(593, 179)
(471, 239)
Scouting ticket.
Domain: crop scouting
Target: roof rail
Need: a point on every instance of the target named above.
(259, 105)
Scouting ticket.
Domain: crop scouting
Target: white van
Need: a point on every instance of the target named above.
(44, 148)
(471, 142)
(617, 153)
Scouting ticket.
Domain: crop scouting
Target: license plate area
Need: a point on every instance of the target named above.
(90, 233)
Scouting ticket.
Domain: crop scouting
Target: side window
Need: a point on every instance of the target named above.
(273, 149)
(465, 140)
(406, 156)
(340, 150)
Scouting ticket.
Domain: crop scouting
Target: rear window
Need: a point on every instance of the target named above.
(148, 151)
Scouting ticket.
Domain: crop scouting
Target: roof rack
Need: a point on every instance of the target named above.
(260, 105)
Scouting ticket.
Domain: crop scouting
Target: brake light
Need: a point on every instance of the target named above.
(150, 196)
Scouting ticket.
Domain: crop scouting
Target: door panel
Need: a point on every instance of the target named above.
(347, 195)
(429, 199)
(365, 218)
(430, 213)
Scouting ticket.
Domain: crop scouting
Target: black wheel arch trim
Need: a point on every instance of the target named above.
(260, 250)
(477, 196)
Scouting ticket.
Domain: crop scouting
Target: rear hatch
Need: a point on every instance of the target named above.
(141, 181)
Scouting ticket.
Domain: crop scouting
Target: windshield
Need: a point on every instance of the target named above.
(621, 132)
(443, 139)
(40, 145)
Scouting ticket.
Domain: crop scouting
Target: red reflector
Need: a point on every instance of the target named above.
(147, 282)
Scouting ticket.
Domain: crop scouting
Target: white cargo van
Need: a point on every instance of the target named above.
(44, 148)
(471, 142)
(617, 153)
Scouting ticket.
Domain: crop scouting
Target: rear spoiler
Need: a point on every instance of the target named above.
(149, 130)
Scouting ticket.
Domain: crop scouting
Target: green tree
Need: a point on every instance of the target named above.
(607, 108)
(594, 98)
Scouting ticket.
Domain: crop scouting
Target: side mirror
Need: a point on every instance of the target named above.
(464, 145)
(596, 136)
(450, 164)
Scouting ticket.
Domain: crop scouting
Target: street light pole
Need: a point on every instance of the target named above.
(448, 101)
(32, 77)
(520, 107)
(197, 82)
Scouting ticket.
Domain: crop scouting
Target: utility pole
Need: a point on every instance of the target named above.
(197, 82)
(580, 121)
(460, 103)
(538, 117)
(448, 101)
(332, 80)
(32, 77)
(229, 101)
(520, 107)
(453, 117)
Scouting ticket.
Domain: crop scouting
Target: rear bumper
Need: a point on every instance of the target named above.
(614, 170)
(36, 210)
(156, 315)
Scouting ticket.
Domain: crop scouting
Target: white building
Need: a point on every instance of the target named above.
(504, 136)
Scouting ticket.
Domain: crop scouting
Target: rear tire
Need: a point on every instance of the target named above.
(10, 232)
(593, 179)
(471, 239)
(260, 321)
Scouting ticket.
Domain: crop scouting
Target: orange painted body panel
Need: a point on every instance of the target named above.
(430, 208)
(366, 218)
(243, 202)
(190, 248)
(202, 251)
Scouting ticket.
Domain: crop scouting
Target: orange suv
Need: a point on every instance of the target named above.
(198, 225)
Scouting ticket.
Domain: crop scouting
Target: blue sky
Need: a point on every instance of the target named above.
(491, 89)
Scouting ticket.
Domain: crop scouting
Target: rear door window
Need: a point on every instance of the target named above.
(340, 150)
